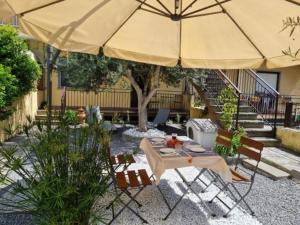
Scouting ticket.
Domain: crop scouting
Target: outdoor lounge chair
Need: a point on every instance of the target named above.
(252, 149)
(161, 117)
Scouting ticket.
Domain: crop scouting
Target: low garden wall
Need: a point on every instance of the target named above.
(290, 138)
(26, 105)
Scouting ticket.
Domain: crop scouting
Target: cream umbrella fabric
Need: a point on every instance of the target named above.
(227, 34)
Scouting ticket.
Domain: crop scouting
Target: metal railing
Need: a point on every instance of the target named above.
(258, 94)
(167, 99)
(118, 99)
(236, 91)
(289, 110)
(215, 82)
(105, 98)
(250, 90)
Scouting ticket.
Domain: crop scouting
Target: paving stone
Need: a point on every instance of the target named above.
(281, 159)
(266, 169)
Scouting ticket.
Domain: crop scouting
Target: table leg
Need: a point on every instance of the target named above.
(189, 187)
(184, 193)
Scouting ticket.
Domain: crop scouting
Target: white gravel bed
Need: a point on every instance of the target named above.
(135, 133)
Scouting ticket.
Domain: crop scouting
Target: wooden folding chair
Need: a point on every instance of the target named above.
(124, 182)
(251, 149)
(223, 138)
(122, 160)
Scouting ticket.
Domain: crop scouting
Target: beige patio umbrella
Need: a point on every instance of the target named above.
(196, 33)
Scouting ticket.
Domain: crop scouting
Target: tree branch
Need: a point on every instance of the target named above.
(148, 80)
(134, 83)
(156, 76)
(149, 96)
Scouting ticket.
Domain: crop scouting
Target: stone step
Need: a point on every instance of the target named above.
(44, 117)
(266, 169)
(282, 159)
(244, 115)
(251, 123)
(268, 142)
(266, 131)
(213, 101)
(243, 108)
(44, 112)
(44, 121)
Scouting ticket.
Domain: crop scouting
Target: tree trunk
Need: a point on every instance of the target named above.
(143, 98)
(143, 118)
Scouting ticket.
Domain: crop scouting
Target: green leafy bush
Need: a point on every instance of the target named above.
(14, 55)
(57, 175)
(8, 91)
(70, 117)
(235, 143)
(228, 100)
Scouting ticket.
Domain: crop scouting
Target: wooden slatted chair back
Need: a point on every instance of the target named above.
(250, 148)
(224, 138)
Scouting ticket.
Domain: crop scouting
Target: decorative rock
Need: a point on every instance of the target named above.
(135, 133)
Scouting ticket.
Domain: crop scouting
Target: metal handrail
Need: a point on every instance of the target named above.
(237, 93)
(256, 77)
(220, 72)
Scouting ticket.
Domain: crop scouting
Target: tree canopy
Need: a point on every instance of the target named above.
(90, 72)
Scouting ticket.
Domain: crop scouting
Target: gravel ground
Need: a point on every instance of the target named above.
(274, 202)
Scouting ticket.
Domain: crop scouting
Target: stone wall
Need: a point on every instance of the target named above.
(290, 138)
(26, 105)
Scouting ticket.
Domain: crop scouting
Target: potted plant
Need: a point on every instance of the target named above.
(230, 153)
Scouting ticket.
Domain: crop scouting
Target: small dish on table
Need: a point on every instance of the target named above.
(195, 148)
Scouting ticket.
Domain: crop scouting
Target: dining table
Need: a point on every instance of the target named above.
(186, 153)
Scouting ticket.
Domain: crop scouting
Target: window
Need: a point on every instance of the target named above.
(271, 78)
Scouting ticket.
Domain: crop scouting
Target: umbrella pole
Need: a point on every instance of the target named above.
(51, 59)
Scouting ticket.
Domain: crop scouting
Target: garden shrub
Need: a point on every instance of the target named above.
(8, 91)
(57, 175)
(14, 55)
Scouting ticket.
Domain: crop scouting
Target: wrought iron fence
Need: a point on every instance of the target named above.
(105, 98)
(167, 99)
(289, 110)
(120, 99)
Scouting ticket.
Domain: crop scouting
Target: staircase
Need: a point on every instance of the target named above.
(41, 116)
(247, 116)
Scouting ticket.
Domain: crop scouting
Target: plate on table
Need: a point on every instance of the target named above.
(157, 139)
(195, 148)
(167, 150)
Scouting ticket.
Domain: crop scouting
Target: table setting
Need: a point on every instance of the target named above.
(175, 152)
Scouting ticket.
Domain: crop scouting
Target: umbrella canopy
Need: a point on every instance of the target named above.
(226, 34)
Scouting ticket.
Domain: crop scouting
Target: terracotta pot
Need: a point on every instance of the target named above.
(81, 115)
